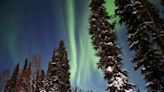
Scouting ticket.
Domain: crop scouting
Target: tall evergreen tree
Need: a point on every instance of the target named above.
(104, 42)
(57, 79)
(10, 86)
(144, 33)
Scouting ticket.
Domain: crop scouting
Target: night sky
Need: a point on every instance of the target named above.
(29, 27)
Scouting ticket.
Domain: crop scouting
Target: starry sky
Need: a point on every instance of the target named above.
(29, 27)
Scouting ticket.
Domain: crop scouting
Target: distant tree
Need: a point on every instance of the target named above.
(57, 79)
(145, 34)
(36, 63)
(24, 82)
(104, 41)
(10, 86)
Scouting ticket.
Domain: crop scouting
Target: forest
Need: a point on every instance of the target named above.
(145, 36)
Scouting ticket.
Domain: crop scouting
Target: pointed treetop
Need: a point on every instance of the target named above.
(61, 44)
(42, 74)
(54, 53)
(17, 66)
(16, 70)
(25, 65)
(61, 48)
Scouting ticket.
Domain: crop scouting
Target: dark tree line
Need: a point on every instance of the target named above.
(32, 79)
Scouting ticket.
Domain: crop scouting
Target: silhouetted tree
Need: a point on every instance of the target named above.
(24, 82)
(36, 63)
(10, 86)
(57, 79)
(104, 42)
(145, 34)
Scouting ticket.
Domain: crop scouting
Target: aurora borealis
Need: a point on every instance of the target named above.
(29, 27)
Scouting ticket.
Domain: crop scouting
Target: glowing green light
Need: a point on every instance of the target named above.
(71, 29)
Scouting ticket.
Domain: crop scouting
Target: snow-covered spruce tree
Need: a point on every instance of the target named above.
(24, 81)
(104, 42)
(57, 79)
(157, 24)
(142, 35)
(150, 15)
(10, 86)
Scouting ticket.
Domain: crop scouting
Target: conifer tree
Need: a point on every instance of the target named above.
(36, 63)
(104, 42)
(24, 82)
(149, 13)
(145, 34)
(10, 86)
(57, 79)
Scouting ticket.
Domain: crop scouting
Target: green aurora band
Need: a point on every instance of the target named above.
(83, 62)
(72, 41)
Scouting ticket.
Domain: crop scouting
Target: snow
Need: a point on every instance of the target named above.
(134, 43)
(129, 90)
(118, 81)
(118, 46)
(149, 83)
(110, 43)
(137, 2)
(119, 55)
(42, 91)
(93, 19)
(144, 24)
(134, 12)
(130, 35)
(106, 37)
(133, 34)
(143, 68)
(53, 63)
(109, 69)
